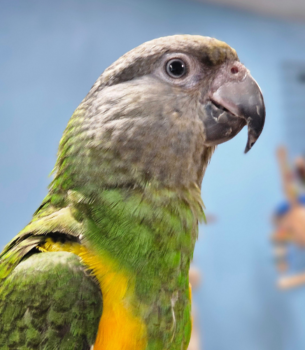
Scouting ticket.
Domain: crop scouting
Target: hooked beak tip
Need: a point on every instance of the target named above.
(249, 145)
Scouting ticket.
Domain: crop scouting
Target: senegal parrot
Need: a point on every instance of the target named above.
(104, 262)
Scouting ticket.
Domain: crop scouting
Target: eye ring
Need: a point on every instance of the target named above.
(176, 68)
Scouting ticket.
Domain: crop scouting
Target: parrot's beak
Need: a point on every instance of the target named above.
(233, 105)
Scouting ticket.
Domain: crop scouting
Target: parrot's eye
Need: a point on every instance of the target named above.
(175, 68)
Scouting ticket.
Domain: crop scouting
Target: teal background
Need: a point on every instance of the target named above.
(51, 54)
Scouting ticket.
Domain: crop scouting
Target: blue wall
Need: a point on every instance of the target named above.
(51, 54)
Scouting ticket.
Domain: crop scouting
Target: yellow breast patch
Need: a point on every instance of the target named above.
(119, 328)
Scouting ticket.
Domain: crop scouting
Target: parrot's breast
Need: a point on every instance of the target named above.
(119, 328)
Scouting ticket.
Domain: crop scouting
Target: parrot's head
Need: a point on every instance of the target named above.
(157, 113)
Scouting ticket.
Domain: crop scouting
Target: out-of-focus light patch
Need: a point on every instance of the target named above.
(291, 10)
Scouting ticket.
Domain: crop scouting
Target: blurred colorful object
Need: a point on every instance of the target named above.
(289, 220)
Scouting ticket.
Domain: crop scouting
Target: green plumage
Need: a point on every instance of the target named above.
(49, 302)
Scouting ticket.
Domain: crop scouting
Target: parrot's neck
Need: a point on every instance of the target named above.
(148, 239)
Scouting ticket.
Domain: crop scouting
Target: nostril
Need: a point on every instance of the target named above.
(234, 70)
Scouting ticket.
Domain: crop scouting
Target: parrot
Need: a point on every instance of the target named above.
(104, 262)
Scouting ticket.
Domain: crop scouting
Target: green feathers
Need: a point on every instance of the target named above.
(49, 302)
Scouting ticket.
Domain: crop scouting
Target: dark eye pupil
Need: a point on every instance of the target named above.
(176, 68)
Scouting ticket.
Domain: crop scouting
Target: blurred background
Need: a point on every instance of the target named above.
(51, 54)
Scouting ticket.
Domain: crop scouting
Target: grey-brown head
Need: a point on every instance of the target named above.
(157, 113)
